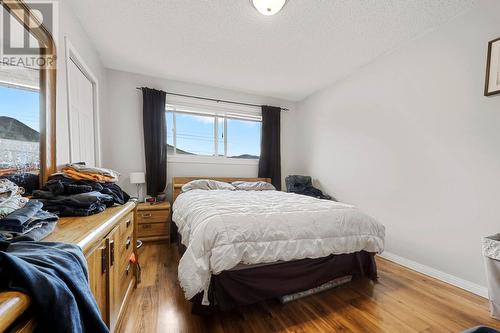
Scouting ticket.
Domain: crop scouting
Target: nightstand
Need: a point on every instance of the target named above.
(153, 221)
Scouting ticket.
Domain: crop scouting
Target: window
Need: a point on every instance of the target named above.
(197, 132)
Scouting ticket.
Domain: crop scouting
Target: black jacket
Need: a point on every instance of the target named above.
(303, 185)
(55, 276)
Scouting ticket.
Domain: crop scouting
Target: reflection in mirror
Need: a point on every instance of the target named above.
(20, 114)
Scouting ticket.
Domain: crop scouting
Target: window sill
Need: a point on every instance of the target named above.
(210, 160)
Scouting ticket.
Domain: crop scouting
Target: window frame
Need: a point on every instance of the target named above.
(217, 111)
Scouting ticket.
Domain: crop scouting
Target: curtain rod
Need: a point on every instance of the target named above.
(216, 100)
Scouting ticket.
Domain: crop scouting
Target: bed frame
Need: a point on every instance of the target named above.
(178, 182)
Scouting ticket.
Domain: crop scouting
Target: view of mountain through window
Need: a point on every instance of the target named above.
(19, 107)
(195, 134)
(213, 135)
(243, 138)
(19, 130)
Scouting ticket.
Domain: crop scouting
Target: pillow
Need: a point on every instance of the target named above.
(253, 186)
(207, 184)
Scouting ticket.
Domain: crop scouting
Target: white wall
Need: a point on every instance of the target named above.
(122, 134)
(69, 26)
(411, 140)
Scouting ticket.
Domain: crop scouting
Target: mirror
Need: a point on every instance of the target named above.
(27, 98)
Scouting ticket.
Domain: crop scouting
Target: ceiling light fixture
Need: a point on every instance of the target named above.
(268, 7)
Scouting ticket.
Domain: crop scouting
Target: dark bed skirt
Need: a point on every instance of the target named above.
(230, 289)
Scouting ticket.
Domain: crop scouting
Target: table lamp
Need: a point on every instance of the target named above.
(138, 178)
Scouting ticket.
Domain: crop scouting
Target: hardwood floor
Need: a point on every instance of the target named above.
(401, 301)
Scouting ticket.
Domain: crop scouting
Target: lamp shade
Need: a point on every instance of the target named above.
(137, 178)
(268, 7)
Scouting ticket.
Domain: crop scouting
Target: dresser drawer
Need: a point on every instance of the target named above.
(127, 247)
(153, 216)
(126, 232)
(124, 243)
(127, 274)
(127, 225)
(125, 278)
(152, 229)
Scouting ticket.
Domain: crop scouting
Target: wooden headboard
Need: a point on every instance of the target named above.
(178, 182)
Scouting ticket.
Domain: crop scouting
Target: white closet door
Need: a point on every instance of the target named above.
(81, 118)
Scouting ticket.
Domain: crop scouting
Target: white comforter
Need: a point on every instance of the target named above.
(224, 228)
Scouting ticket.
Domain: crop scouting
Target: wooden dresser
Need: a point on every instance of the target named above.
(153, 221)
(108, 241)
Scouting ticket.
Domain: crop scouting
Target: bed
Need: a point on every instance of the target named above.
(242, 247)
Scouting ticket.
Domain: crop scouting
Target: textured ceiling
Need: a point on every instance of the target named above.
(228, 44)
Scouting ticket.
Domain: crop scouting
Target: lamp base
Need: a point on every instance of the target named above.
(138, 192)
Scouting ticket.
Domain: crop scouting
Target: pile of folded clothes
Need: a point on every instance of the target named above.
(21, 217)
(29, 223)
(79, 171)
(28, 181)
(11, 197)
(81, 191)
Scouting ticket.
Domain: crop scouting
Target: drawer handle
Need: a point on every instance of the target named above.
(111, 252)
(148, 215)
(127, 270)
(104, 260)
(128, 223)
(147, 226)
(127, 243)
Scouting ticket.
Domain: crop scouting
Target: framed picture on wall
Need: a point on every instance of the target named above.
(492, 85)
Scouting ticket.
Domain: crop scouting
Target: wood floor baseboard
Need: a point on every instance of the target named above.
(437, 274)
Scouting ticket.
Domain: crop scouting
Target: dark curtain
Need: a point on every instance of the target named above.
(270, 151)
(155, 139)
